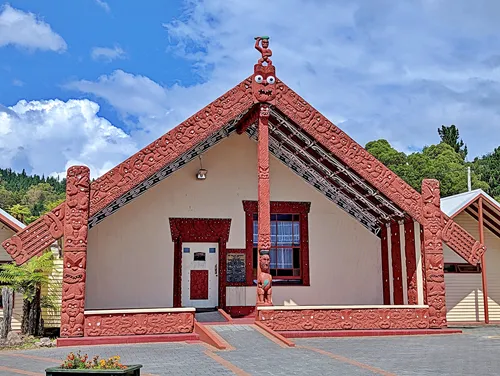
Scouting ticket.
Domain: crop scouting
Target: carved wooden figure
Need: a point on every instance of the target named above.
(264, 280)
(75, 251)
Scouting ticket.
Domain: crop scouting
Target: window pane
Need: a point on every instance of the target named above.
(255, 258)
(285, 272)
(255, 232)
(285, 235)
(296, 233)
(284, 217)
(273, 258)
(296, 257)
(273, 232)
(285, 258)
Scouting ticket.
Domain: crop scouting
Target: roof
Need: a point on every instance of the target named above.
(10, 221)
(299, 136)
(468, 202)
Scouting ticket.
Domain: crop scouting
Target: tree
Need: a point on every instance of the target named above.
(385, 153)
(6, 197)
(29, 279)
(20, 212)
(449, 135)
(433, 162)
(488, 169)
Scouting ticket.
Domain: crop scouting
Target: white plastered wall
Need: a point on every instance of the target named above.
(130, 253)
(464, 291)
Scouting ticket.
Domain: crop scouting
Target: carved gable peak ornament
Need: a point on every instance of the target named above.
(264, 76)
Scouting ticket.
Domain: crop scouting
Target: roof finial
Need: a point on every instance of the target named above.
(264, 50)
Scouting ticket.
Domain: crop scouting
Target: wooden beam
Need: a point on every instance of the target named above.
(483, 263)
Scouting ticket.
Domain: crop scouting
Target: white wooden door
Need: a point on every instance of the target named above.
(200, 275)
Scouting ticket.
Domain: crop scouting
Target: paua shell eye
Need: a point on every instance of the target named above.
(259, 79)
(271, 80)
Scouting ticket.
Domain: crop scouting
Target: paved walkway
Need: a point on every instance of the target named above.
(477, 351)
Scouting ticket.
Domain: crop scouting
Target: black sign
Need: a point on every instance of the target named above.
(236, 268)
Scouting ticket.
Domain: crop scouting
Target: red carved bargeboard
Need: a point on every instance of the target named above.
(345, 319)
(122, 324)
(34, 238)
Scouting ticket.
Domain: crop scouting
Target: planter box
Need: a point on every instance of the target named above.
(134, 370)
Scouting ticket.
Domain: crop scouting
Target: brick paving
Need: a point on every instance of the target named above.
(474, 352)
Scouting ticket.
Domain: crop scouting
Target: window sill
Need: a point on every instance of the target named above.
(284, 282)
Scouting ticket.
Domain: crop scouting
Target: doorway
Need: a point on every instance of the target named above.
(200, 275)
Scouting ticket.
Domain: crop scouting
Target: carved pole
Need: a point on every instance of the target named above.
(264, 194)
(433, 251)
(75, 251)
(264, 92)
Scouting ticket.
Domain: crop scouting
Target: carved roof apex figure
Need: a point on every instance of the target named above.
(262, 45)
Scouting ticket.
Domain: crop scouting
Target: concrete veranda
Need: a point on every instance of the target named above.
(476, 351)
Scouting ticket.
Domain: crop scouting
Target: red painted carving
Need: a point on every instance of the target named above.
(198, 286)
(264, 278)
(121, 324)
(282, 207)
(462, 242)
(36, 237)
(264, 50)
(411, 263)
(73, 296)
(397, 274)
(199, 230)
(345, 319)
(75, 247)
(384, 245)
(433, 249)
(264, 281)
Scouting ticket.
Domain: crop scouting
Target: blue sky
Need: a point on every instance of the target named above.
(92, 81)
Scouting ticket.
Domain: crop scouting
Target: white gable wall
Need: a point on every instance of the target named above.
(130, 253)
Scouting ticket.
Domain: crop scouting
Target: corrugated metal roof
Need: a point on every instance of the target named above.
(11, 218)
(452, 204)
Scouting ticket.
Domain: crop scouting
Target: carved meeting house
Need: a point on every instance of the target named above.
(257, 205)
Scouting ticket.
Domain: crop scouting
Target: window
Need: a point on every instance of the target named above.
(461, 268)
(289, 241)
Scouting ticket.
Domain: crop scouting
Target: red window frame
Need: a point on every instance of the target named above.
(301, 209)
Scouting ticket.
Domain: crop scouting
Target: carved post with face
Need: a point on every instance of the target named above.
(75, 251)
(264, 91)
(433, 253)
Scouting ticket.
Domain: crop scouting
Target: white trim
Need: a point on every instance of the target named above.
(404, 272)
(139, 310)
(418, 257)
(298, 308)
(389, 257)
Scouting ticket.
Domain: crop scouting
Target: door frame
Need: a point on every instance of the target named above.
(199, 230)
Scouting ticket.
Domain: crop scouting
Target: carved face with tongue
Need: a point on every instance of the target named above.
(264, 83)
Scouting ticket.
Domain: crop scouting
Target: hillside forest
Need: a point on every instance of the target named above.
(27, 197)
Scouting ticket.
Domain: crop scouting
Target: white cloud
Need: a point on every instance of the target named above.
(104, 5)
(392, 70)
(47, 137)
(26, 30)
(371, 66)
(107, 54)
